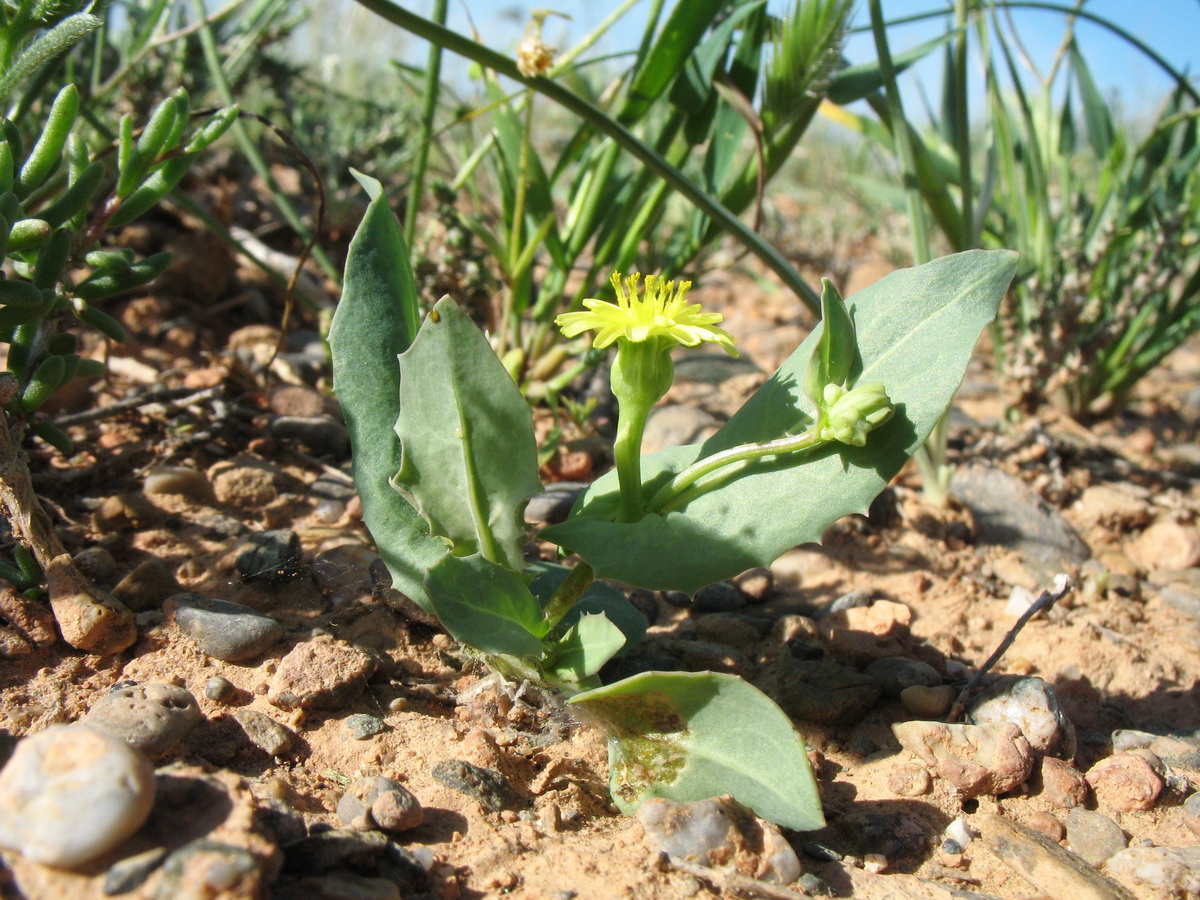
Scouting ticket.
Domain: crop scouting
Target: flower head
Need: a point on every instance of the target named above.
(662, 311)
(850, 415)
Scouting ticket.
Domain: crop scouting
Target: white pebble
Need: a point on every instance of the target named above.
(72, 793)
(960, 832)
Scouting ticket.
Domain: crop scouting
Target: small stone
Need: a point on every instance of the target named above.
(1093, 836)
(928, 702)
(270, 556)
(1167, 872)
(323, 435)
(850, 600)
(264, 732)
(218, 689)
(97, 564)
(674, 425)
(1062, 785)
(895, 673)
(89, 618)
(124, 512)
(377, 802)
(363, 726)
(129, 874)
(1032, 705)
(974, 759)
(321, 673)
(1124, 781)
(250, 484)
(1044, 823)
(756, 584)
(719, 832)
(866, 633)
(1166, 545)
(909, 780)
(147, 586)
(224, 630)
(819, 691)
(343, 573)
(150, 717)
(1053, 870)
(224, 869)
(961, 833)
(178, 480)
(1116, 506)
(1191, 813)
(297, 400)
(723, 596)
(742, 632)
(554, 504)
(488, 786)
(368, 853)
(72, 793)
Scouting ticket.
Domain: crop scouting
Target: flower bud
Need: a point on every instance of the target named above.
(849, 416)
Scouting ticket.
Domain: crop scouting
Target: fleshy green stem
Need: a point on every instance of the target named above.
(627, 448)
(574, 586)
(676, 492)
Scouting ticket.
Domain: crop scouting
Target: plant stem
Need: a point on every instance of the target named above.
(433, 75)
(574, 586)
(627, 448)
(673, 493)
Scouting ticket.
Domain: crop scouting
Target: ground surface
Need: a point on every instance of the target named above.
(1122, 651)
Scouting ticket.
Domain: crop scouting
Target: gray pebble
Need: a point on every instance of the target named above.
(377, 802)
(270, 556)
(1191, 813)
(216, 526)
(723, 596)
(1093, 836)
(330, 487)
(1032, 705)
(732, 630)
(819, 691)
(365, 852)
(1158, 871)
(344, 885)
(813, 886)
(264, 732)
(851, 600)
(71, 793)
(674, 425)
(129, 874)
(150, 717)
(554, 504)
(205, 862)
(363, 726)
(97, 564)
(343, 573)
(147, 586)
(488, 786)
(678, 599)
(323, 435)
(224, 630)
(895, 673)
(178, 480)
(218, 689)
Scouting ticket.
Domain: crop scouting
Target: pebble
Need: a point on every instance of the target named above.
(718, 832)
(343, 573)
(974, 759)
(218, 689)
(676, 425)
(1124, 781)
(125, 512)
(850, 600)
(367, 853)
(222, 629)
(297, 400)
(129, 874)
(217, 527)
(554, 504)
(341, 884)
(270, 556)
(363, 726)
(928, 702)
(249, 487)
(149, 717)
(1041, 821)
(147, 586)
(1053, 870)
(323, 435)
(321, 673)
(723, 596)
(909, 780)
(1166, 545)
(1009, 513)
(819, 691)
(1032, 705)
(866, 633)
(488, 786)
(264, 732)
(89, 618)
(97, 564)
(895, 673)
(742, 632)
(216, 868)
(72, 793)
(1062, 785)
(178, 480)
(1093, 836)
(1168, 872)
(377, 802)
(756, 584)
(1191, 813)
(1115, 506)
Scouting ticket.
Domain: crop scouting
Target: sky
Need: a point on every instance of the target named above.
(1171, 27)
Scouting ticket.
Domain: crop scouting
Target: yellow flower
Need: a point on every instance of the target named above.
(661, 312)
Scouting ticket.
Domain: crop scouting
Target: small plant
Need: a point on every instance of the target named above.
(445, 460)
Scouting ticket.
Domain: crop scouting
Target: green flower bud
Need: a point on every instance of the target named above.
(849, 416)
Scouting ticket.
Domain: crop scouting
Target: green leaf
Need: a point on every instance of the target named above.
(856, 82)
(469, 460)
(916, 330)
(598, 599)
(585, 648)
(486, 606)
(693, 735)
(375, 321)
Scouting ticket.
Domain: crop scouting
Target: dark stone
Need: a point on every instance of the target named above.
(323, 435)
(723, 596)
(129, 874)
(227, 631)
(554, 504)
(895, 673)
(818, 691)
(488, 786)
(363, 726)
(270, 556)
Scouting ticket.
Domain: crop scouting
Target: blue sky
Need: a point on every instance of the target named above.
(1171, 27)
